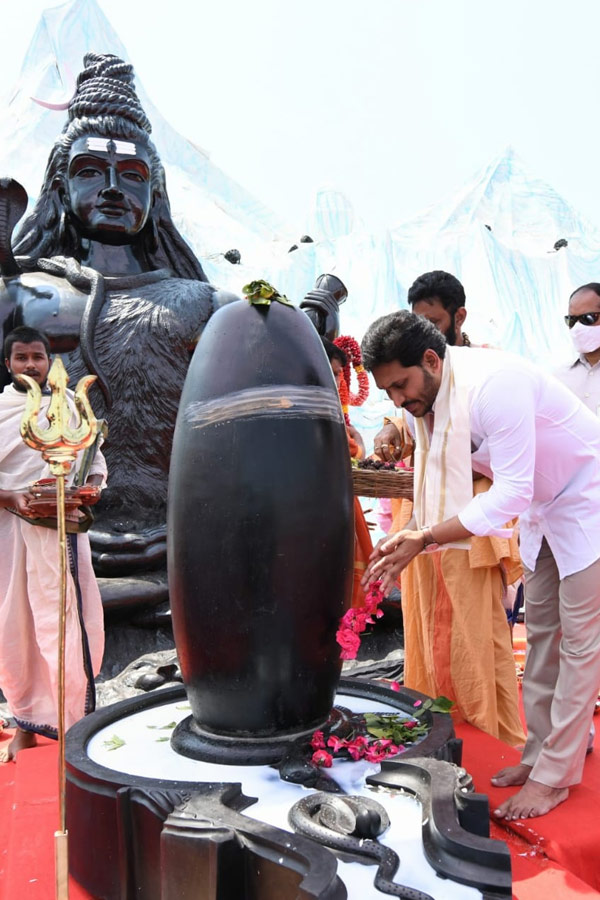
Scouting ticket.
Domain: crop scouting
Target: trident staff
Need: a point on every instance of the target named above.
(59, 445)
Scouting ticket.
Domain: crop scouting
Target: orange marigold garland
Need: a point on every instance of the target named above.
(344, 398)
(352, 351)
(343, 392)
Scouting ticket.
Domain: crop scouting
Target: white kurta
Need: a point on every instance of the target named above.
(30, 591)
(541, 447)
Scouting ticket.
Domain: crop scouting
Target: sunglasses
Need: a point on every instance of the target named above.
(585, 318)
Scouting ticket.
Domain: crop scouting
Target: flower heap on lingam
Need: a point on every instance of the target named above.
(376, 736)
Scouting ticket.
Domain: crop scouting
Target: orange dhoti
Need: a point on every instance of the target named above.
(363, 547)
(456, 635)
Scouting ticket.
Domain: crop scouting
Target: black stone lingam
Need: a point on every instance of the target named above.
(260, 534)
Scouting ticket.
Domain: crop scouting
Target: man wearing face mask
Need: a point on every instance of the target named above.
(583, 375)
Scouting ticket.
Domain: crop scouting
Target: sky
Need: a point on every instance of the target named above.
(394, 102)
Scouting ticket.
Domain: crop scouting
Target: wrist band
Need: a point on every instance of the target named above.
(428, 537)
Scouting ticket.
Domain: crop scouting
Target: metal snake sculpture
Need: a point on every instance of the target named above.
(351, 825)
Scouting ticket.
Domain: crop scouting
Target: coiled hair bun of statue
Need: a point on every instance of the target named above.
(106, 87)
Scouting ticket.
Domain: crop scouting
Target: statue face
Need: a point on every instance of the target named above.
(108, 188)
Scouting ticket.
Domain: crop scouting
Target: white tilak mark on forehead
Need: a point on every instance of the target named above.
(98, 144)
(125, 148)
(105, 145)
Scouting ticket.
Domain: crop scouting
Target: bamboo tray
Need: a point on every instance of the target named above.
(382, 483)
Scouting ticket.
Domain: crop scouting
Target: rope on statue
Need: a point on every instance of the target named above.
(91, 282)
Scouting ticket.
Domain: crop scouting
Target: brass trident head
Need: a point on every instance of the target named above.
(59, 443)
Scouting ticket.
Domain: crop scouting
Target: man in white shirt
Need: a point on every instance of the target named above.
(503, 417)
(457, 640)
(583, 375)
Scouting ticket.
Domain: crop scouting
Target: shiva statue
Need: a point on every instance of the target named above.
(100, 267)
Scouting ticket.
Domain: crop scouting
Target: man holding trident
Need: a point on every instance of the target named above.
(497, 414)
(30, 570)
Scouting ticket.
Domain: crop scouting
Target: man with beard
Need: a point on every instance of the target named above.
(456, 635)
(30, 571)
(440, 297)
(498, 414)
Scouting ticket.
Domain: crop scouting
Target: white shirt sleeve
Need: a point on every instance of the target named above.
(506, 411)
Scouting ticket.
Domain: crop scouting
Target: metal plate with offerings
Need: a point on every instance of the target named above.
(78, 517)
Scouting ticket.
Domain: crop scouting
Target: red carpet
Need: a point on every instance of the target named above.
(555, 857)
(28, 820)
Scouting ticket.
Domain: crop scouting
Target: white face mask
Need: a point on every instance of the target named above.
(585, 338)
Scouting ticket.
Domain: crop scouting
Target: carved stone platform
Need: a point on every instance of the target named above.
(145, 822)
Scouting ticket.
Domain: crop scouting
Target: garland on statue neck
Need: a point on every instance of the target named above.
(352, 351)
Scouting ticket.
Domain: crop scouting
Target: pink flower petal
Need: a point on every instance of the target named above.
(322, 759)
(318, 741)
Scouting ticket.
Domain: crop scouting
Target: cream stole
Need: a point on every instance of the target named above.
(443, 476)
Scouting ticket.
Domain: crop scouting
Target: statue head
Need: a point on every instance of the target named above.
(104, 180)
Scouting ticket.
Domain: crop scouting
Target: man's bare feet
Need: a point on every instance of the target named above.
(21, 741)
(511, 776)
(534, 799)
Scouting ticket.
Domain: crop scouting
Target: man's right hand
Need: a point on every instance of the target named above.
(17, 501)
(388, 443)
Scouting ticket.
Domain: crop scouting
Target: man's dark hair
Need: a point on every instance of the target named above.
(441, 285)
(24, 335)
(400, 337)
(334, 352)
(593, 286)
